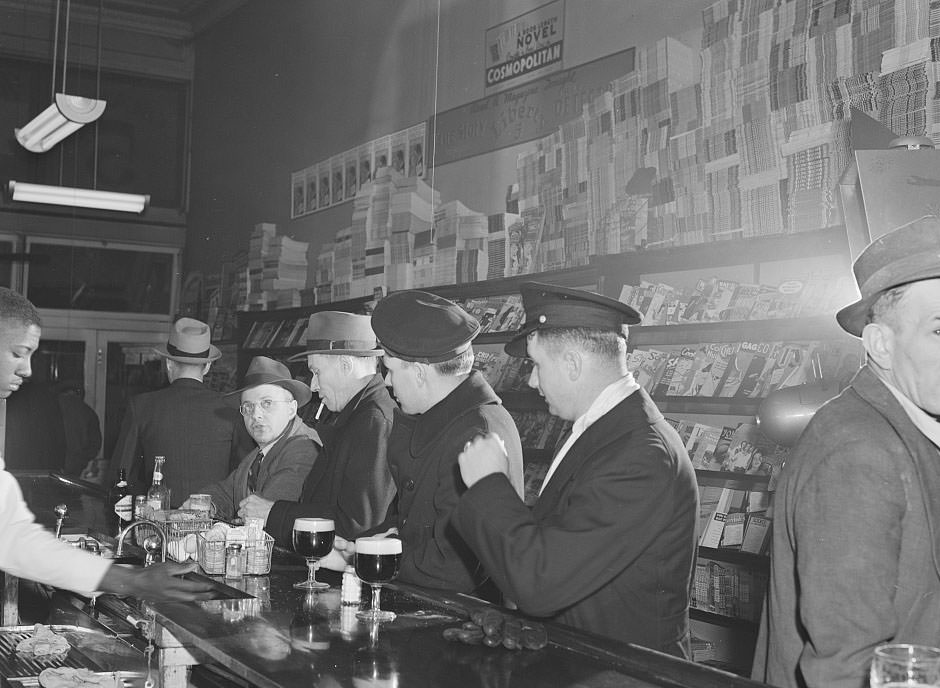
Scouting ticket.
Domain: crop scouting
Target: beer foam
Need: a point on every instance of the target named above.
(378, 545)
(313, 525)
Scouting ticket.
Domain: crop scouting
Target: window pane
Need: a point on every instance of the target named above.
(99, 279)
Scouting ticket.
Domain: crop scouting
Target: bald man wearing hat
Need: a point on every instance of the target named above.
(350, 481)
(186, 422)
(444, 403)
(856, 537)
(286, 447)
(609, 546)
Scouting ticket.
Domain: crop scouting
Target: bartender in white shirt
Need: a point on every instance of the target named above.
(30, 551)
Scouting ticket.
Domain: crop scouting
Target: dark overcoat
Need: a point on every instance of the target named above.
(609, 547)
(350, 481)
(422, 455)
(201, 436)
(856, 543)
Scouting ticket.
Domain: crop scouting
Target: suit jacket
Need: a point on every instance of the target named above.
(281, 476)
(422, 455)
(350, 481)
(200, 435)
(856, 543)
(609, 547)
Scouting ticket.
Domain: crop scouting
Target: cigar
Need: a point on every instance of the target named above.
(319, 411)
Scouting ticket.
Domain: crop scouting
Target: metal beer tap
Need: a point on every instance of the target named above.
(61, 513)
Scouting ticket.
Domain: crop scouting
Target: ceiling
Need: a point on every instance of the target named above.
(197, 14)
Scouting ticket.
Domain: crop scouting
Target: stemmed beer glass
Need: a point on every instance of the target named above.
(377, 562)
(313, 539)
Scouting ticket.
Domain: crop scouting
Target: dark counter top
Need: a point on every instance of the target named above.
(282, 638)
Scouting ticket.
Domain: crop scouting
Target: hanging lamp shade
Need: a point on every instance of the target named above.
(64, 117)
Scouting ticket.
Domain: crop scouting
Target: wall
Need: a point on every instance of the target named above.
(279, 86)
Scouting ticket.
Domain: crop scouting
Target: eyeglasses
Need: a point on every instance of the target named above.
(247, 408)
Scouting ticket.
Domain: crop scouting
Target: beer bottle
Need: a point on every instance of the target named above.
(158, 496)
(122, 503)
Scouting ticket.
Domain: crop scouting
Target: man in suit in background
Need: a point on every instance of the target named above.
(350, 481)
(609, 547)
(191, 425)
(286, 447)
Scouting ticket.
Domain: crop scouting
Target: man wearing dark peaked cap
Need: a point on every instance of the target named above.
(609, 547)
(444, 403)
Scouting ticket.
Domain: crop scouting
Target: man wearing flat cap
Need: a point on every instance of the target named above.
(856, 537)
(350, 482)
(444, 403)
(186, 422)
(287, 447)
(609, 546)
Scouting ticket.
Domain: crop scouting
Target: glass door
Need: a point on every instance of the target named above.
(110, 366)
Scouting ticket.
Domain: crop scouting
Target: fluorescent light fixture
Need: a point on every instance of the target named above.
(65, 116)
(82, 198)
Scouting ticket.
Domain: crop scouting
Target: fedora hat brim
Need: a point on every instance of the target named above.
(378, 351)
(301, 392)
(213, 355)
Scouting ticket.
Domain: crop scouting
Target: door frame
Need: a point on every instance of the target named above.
(97, 330)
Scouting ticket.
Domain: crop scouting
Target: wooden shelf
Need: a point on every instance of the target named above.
(737, 481)
(734, 556)
(730, 406)
(817, 327)
(722, 620)
(618, 269)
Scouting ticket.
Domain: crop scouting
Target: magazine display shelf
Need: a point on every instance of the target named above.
(730, 582)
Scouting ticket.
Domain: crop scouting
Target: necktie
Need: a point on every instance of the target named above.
(253, 472)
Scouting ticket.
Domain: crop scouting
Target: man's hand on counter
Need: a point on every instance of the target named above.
(157, 583)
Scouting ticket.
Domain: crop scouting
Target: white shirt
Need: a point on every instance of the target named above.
(30, 551)
(609, 397)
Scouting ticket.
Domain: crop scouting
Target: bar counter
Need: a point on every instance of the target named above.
(286, 638)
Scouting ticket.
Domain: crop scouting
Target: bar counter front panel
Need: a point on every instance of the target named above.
(285, 638)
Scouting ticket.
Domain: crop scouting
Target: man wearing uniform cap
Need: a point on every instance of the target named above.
(286, 447)
(186, 422)
(350, 481)
(444, 403)
(856, 537)
(609, 546)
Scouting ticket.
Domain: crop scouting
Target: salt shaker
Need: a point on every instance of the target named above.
(351, 593)
(233, 560)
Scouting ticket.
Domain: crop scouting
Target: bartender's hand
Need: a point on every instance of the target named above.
(481, 456)
(157, 583)
(254, 506)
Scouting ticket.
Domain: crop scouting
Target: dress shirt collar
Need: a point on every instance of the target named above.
(609, 397)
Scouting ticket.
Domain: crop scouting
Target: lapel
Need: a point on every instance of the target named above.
(614, 427)
(325, 465)
(924, 454)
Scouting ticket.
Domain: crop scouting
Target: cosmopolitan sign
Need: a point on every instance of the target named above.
(524, 113)
(530, 44)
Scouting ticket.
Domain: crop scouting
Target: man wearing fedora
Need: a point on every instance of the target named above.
(429, 356)
(856, 537)
(609, 546)
(350, 481)
(287, 447)
(186, 422)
